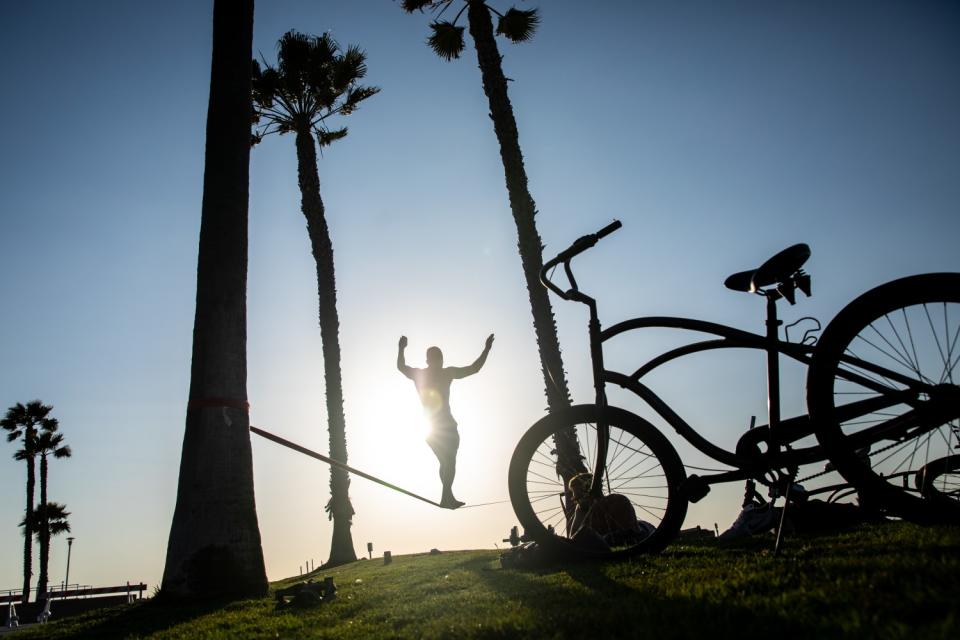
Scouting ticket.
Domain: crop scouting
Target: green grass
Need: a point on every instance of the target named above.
(887, 581)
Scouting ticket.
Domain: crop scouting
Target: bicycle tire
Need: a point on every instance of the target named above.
(911, 328)
(635, 447)
(940, 479)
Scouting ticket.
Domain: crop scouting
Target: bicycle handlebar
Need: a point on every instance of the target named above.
(579, 245)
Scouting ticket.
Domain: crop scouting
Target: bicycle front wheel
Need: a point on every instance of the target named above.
(882, 390)
(641, 509)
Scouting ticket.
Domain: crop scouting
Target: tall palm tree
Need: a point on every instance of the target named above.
(49, 442)
(50, 518)
(312, 82)
(447, 41)
(24, 422)
(214, 547)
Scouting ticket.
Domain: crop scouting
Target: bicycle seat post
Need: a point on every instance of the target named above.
(773, 361)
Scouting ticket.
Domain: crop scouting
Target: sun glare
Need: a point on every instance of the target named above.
(387, 438)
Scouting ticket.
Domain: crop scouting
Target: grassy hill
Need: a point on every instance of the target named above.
(886, 581)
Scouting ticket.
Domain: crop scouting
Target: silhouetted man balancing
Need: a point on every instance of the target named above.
(433, 385)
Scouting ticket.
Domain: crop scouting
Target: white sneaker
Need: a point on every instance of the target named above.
(752, 520)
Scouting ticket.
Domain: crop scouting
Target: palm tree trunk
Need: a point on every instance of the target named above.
(521, 204)
(28, 529)
(214, 548)
(524, 210)
(341, 511)
(44, 532)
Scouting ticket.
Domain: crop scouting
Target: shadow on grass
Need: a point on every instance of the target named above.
(577, 599)
(126, 621)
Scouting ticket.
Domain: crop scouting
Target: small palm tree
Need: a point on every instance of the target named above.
(447, 41)
(312, 82)
(24, 422)
(50, 517)
(49, 442)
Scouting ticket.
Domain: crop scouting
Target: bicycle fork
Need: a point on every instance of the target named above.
(603, 429)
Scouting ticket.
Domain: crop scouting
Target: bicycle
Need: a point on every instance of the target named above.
(882, 397)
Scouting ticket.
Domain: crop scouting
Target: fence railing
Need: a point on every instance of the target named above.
(73, 591)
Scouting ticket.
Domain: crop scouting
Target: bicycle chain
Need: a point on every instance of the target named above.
(826, 471)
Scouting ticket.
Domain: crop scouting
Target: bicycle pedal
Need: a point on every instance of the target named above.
(694, 488)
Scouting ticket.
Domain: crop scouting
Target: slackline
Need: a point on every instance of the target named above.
(339, 465)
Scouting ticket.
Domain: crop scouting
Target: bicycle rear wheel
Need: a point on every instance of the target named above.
(882, 390)
(640, 466)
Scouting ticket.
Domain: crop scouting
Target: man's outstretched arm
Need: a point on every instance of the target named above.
(463, 372)
(401, 362)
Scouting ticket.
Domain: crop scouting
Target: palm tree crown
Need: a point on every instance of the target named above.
(51, 515)
(447, 41)
(50, 442)
(25, 421)
(311, 82)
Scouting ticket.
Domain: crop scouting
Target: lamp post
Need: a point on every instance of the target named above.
(67, 579)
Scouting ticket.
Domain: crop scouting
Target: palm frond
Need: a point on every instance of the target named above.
(355, 96)
(48, 441)
(52, 516)
(326, 138)
(446, 40)
(518, 25)
(323, 50)
(349, 68)
(416, 5)
(293, 53)
(265, 86)
(56, 510)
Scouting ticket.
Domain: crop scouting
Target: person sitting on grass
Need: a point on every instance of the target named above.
(612, 517)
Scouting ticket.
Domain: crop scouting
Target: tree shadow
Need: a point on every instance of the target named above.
(125, 621)
(557, 592)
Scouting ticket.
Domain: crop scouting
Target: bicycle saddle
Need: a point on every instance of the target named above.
(777, 269)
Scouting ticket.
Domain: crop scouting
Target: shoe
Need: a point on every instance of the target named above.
(645, 528)
(451, 503)
(753, 519)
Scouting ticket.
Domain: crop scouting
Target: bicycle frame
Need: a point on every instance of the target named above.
(778, 434)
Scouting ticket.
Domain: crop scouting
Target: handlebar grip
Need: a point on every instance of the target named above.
(579, 246)
(610, 228)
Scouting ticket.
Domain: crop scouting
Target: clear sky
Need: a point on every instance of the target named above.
(718, 132)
